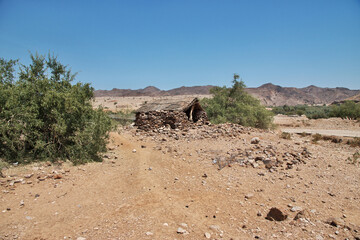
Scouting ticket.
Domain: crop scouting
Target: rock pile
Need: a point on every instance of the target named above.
(189, 130)
(264, 157)
(163, 119)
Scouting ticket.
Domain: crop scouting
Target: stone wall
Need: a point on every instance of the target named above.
(173, 119)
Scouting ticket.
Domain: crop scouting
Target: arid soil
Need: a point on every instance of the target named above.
(330, 127)
(116, 104)
(209, 182)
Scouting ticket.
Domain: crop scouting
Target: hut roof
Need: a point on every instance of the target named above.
(167, 105)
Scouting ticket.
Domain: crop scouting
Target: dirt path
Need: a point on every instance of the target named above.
(169, 184)
(329, 132)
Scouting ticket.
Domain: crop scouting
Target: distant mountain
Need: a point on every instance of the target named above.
(115, 92)
(269, 94)
(154, 92)
(273, 95)
(354, 98)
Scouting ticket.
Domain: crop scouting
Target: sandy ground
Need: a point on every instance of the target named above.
(330, 127)
(116, 104)
(150, 186)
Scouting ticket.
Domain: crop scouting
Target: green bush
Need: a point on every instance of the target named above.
(236, 106)
(44, 116)
(349, 109)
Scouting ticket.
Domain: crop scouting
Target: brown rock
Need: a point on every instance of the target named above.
(276, 214)
(302, 214)
(255, 140)
(336, 222)
(57, 176)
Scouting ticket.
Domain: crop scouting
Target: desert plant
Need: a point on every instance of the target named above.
(348, 109)
(285, 135)
(236, 106)
(355, 159)
(44, 116)
(316, 137)
(124, 117)
(355, 142)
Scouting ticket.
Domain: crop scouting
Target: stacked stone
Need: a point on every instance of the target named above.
(156, 119)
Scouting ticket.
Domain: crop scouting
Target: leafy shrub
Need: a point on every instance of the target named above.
(236, 106)
(312, 112)
(44, 116)
(348, 109)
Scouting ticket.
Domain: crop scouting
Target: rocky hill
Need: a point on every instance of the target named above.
(269, 94)
(354, 98)
(273, 95)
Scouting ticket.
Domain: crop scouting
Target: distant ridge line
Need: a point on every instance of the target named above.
(268, 93)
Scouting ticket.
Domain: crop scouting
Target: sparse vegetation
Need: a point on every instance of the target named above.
(236, 106)
(124, 117)
(312, 112)
(44, 116)
(355, 159)
(285, 135)
(316, 137)
(348, 109)
(354, 142)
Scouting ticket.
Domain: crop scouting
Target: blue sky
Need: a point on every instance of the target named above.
(168, 43)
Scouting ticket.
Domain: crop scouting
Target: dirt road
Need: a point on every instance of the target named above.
(156, 187)
(328, 132)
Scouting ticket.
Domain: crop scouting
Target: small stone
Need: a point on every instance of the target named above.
(336, 222)
(319, 237)
(181, 231)
(215, 228)
(134, 150)
(268, 163)
(255, 140)
(302, 214)
(28, 217)
(255, 165)
(249, 196)
(259, 214)
(22, 203)
(207, 235)
(57, 176)
(184, 225)
(295, 209)
(276, 214)
(81, 238)
(149, 233)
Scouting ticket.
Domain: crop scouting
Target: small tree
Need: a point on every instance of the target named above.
(44, 116)
(236, 106)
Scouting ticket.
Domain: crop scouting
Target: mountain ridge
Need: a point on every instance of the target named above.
(268, 93)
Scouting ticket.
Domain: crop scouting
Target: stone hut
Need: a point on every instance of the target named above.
(170, 113)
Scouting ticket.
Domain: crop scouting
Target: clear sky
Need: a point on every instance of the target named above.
(173, 43)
